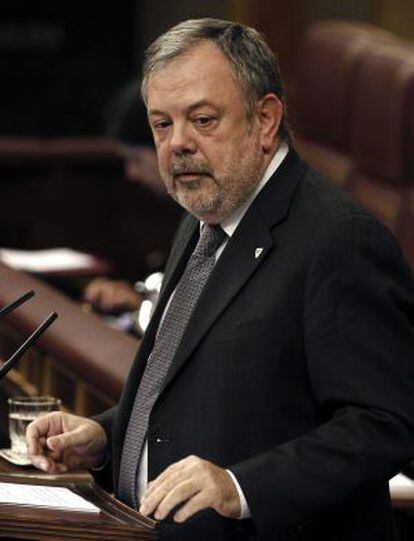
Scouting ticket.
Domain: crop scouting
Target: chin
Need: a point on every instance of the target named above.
(203, 208)
(207, 215)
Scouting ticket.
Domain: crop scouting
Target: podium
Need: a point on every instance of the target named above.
(115, 521)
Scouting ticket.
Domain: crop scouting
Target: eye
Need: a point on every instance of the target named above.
(160, 125)
(203, 121)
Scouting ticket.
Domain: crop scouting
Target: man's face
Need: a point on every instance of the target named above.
(210, 155)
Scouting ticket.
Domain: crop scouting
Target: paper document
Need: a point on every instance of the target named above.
(44, 496)
(56, 259)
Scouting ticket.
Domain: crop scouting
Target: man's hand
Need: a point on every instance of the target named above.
(112, 295)
(59, 442)
(195, 483)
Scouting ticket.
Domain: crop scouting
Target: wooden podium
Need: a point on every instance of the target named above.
(115, 521)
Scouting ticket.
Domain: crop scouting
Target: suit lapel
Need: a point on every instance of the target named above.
(237, 263)
(246, 250)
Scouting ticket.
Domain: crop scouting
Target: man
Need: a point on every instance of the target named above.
(284, 402)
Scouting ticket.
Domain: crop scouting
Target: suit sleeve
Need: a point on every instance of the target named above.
(103, 476)
(359, 352)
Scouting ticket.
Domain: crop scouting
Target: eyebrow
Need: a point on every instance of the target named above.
(196, 105)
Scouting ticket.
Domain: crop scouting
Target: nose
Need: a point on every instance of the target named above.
(182, 140)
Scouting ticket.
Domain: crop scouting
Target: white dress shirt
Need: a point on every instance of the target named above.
(229, 226)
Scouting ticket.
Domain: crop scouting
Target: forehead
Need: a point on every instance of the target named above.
(202, 73)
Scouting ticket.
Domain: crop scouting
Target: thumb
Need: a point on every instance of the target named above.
(62, 442)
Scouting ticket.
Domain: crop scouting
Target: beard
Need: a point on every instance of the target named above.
(187, 165)
(213, 196)
(200, 195)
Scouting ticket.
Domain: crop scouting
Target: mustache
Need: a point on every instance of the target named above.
(186, 166)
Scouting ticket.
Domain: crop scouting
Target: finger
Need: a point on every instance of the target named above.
(91, 291)
(158, 488)
(98, 300)
(34, 446)
(41, 462)
(36, 432)
(73, 438)
(120, 301)
(166, 475)
(47, 464)
(42, 442)
(110, 301)
(96, 292)
(151, 501)
(195, 504)
(179, 494)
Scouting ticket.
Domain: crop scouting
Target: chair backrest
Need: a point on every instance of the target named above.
(379, 175)
(327, 64)
(355, 117)
(378, 124)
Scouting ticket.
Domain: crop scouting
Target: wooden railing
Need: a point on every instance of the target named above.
(79, 358)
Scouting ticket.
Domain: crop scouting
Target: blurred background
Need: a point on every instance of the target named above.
(62, 61)
(78, 170)
(64, 64)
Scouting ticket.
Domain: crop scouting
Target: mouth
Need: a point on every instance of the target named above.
(189, 176)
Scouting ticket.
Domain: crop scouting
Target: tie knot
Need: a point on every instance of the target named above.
(210, 239)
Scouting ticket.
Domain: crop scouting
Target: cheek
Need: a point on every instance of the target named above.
(162, 158)
(226, 158)
(217, 155)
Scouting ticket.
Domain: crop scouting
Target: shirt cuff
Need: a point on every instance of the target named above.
(101, 466)
(244, 508)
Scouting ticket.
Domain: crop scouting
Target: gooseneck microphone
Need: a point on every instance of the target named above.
(10, 307)
(7, 365)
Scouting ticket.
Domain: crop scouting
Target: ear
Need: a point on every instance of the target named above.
(270, 112)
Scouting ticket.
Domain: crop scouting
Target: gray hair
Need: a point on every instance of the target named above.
(254, 64)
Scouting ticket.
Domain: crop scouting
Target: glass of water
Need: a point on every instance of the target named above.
(22, 411)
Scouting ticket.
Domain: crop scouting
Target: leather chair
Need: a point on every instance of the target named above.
(325, 78)
(379, 178)
(355, 117)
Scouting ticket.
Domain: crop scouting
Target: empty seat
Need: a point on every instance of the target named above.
(378, 178)
(355, 118)
(327, 65)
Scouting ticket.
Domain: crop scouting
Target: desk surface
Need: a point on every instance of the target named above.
(114, 522)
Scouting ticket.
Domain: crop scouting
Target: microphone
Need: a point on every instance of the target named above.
(15, 304)
(32, 338)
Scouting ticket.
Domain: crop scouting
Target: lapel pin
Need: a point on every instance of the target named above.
(258, 252)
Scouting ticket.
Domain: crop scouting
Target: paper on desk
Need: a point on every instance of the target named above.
(44, 496)
(53, 260)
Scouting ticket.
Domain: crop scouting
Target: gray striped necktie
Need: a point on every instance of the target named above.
(167, 341)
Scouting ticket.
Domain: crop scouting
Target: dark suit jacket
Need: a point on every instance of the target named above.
(296, 370)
